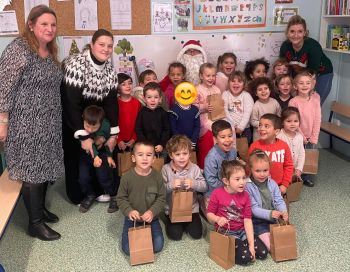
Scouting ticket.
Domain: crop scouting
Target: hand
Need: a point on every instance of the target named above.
(283, 189)
(177, 183)
(276, 214)
(111, 143)
(188, 183)
(121, 145)
(87, 146)
(298, 173)
(99, 141)
(252, 251)
(130, 144)
(285, 216)
(147, 216)
(3, 132)
(97, 162)
(111, 162)
(221, 221)
(134, 215)
(238, 131)
(158, 148)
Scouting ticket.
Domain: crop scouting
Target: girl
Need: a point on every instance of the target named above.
(290, 118)
(253, 70)
(284, 85)
(207, 75)
(230, 209)
(280, 67)
(265, 104)
(267, 202)
(176, 73)
(226, 65)
(238, 105)
(309, 106)
(181, 173)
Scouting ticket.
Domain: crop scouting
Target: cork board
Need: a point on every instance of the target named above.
(141, 17)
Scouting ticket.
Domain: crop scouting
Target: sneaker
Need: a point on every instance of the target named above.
(103, 198)
(113, 207)
(86, 204)
(309, 183)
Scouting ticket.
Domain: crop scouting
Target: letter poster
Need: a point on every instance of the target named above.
(209, 14)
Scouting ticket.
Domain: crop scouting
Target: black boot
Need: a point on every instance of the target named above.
(48, 216)
(33, 201)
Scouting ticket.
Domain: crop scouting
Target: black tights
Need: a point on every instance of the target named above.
(243, 255)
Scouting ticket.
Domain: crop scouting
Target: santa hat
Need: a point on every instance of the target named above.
(192, 44)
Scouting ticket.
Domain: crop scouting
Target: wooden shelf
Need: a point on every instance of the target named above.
(336, 51)
(336, 16)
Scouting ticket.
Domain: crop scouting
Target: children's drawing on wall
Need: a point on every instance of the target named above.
(73, 45)
(162, 17)
(29, 4)
(281, 15)
(182, 16)
(261, 42)
(121, 17)
(123, 63)
(85, 14)
(8, 23)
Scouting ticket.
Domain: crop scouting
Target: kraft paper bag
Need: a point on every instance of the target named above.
(124, 162)
(294, 189)
(311, 161)
(193, 157)
(218, 107)
(158, 163)
(222, 249)
(181, 206)
(283, 242)
(140, 245)
(242, 147)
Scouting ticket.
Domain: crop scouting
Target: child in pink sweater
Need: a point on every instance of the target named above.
(226, 66)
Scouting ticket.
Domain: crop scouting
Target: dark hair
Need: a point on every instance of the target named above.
(145, 73)
(204, 66)
(225, 56)
(220, 125)
(138, 143)
(98, 33)
(275, 120)
(152, 86)
(93, 115)
(257, 154)
(230, 167)
(123, 77)
(297, 20)
(178, 142)
(238, 74)
(177, 64)
(288, 112)
(251, 65)
(260, 81)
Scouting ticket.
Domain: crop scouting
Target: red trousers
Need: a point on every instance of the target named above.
(205, 143)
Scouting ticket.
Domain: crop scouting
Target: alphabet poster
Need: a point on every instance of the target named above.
(208, 14)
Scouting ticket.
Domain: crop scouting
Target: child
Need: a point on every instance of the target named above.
(284, 85)
(277, 150)
(222, 150)
(255, 69)
(207, 74)
(141, 196)
(176, 73)
(267, 202)
(230, 209)
(262, 88)
(99, 162)
(309, 106)
(152, 122)
(238, 105)
(280, 67)
(226, 66)
(290, 118)
(181, 173)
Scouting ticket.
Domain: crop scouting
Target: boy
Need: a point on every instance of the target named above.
(276, 149)
(141, 196)
(152, 122)
(98, 129)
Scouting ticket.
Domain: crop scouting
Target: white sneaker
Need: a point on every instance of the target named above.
(103, 198)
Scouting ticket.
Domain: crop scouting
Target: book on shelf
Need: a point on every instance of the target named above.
(337, 7)
(338, 37)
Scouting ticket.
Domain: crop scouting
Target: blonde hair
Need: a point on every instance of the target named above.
(258, 155)
(230, 167)
(206, 65)
(178, 142)
(297, 20)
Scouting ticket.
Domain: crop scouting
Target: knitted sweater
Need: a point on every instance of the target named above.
(221, 81)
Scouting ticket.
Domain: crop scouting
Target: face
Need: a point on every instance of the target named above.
(259, 71)
(193, 52)
(291, 123)
(236, 182)
(185, 93)
(228, 66)
(266, 130)
(126, 87)
(180, 158)
(296, 35)
(149, 78)
(176, 75)
(208, 77)
(44, 28)
(152, 99)
(285, 86)
(236, 86)
(102, 48)
(260, 170)
(143, 156)
(280, 70)
(304, 85)
(224, 139)
(263, 92)
(91, 128)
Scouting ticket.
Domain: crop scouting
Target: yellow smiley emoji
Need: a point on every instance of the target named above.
(185, 93)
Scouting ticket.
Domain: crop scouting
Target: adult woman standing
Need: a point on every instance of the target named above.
(303, 52)
(89, 79)
(30, 115)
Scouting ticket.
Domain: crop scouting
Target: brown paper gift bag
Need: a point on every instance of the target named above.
(140, 244)
(124, 162)
(283, 242)
(311, 161)
(242, 147)
(193, 157)
(218, 107)
(181, 206)
(158, 163)
(294, 189)
(222, 249)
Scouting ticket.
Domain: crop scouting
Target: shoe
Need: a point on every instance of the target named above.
(43, 232)
(49, 217)
(103, 198)
(308, 183)
(113, 207)
(86, 204)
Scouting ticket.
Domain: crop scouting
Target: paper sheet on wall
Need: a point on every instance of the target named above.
(73, 44)
(29, 4)
(85, 14)
(162, 17)
(8, 23)
(121, 14)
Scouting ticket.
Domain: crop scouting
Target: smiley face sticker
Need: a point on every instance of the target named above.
(185, 93)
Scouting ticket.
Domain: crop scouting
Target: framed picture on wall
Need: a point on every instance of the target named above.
(281, 15)
(283, 1)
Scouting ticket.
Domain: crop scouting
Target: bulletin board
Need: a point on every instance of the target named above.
(141, 17)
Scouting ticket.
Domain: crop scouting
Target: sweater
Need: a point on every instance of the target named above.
(280, 158)
(221, 81)
(128, 111)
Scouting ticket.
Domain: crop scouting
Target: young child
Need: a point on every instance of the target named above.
(280, 67)
(152, 122)
(284, 86)
(276, 149)
(207, 74)
(255, 69)
(181, 173)
(262, 88)
(290, 118)
(230, 209)
(176, 73)
(267, 202)
(99, 162)
(238, 105)
(141, 196)
(309, 105)
(226, 66)
(222, 150)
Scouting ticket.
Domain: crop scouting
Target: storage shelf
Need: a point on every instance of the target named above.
(336, 16)
(336, 51)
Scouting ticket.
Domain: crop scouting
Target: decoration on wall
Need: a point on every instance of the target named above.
(74, 48)
(208, 14)
(283, 1)
(124, 63)
(182, 15)
(8, 23)
(162, 17)
(85, 14)
(281, 15)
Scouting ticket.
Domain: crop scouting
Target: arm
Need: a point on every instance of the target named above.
(314, 55)
(159, 203)
(173, 122)
(200, 102)
(168, 181)
(277, 199)
(139, 127)
(255, 199)
(110, 106)
(211, 173)
(317, 121)
(199, 183)
(196, 129)
(123, 197)
(248, 103)
(301, 153)
(165, 136)
(288, 166)
(254, 118)
(248, 227)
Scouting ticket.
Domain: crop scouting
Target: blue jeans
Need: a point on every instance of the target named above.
(156, 230)
(308, 176)
(324, 86)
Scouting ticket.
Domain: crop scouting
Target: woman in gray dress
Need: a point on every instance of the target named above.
(30, 115)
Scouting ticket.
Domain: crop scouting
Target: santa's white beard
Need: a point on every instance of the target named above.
(192, 64)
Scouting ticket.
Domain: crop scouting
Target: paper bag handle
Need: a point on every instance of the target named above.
(227, 230)
(144, 224)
